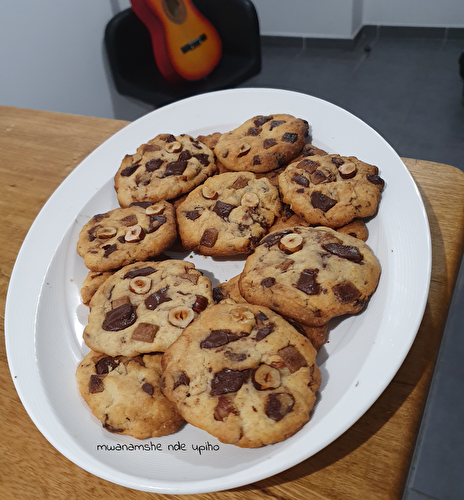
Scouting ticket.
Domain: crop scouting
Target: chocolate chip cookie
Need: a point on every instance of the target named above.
(249, 379)
(145, 306)
(163, 169)
(331, 190)
(124, 394)
(310, 274)
(262, 143)
(125, 235)
(228, 214)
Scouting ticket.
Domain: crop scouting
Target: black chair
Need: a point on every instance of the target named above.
(132, 63)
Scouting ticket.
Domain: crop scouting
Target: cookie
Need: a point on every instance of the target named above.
(262, 143)
(92, 283)
(145, 306)
(163, 169)
(228, 214)
(124, 394)
(230, 292)
(331, 190)
(310, 274)
(125, 235)
(250, 378)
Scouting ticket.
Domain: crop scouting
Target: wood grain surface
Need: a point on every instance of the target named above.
(370, 461)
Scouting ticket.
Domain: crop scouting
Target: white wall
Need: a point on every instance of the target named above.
(52, 55)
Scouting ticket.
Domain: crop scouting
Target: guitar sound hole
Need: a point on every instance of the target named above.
(174, 9)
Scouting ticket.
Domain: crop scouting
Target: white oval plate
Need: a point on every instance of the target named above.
(44, 317)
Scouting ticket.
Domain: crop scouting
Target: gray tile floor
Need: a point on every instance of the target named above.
(409, 90)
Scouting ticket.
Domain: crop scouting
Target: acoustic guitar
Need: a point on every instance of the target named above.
(185, 44)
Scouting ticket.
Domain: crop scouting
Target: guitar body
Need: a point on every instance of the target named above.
(191, 42)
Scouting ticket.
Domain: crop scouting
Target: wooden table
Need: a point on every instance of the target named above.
(370, 461)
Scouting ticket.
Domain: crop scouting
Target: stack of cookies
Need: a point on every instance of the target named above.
(237, 360)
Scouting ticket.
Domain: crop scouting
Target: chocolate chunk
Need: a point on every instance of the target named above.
(223, 209)
(91, 232)
(280, 159)
(128, 171)
(301, 180)
(112, 429)
(148, 388)
(202, 158)
(321, 201)
(143, 204)
(268, 143)
(253, 131)
(181, 379)
(192, 214)
(201, 303)
(130, 220)
(119, 301)
(256, 160)
(145, 332)
(293, 358)
(338, 162)
(290, 137)
(307, 282)
(348, 252)
(109, 249)
(279, 405)
(153, 165)
(268, 282)
(99, 217)
(119, 318)
(264, 331)
(175, 168)
(308, 165)
(184, 156)
(224, 408)
(276, 123)
(104, 365)
(156, 221)
(239, 183)
(209, 237)
(274, 238)
(218, 338)
(235, 357)
(157, 298)
(318, 177)
(168, 138)
(150, 148)
(227, 381)
(260, 120)
(143, 271)
(346, 292)
(218, 294)
(96, 384)
(375, 179)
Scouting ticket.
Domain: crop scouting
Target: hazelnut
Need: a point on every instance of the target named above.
(181, 316)
(140, 284)
(242, 314)
(291, 242)
(156, 209)
(208, 193)
(173, 147)
(135, 233)
(347, 170)
(106, 232)
(266, 377)
(244, 149)
(250, 200)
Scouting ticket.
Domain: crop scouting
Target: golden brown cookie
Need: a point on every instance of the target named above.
(228, 214)
(163, 169)
(145, 306)
(310, 274)
(249, 378)
(331, 190)
(125, 235)
(262, 143)
(124, 394)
